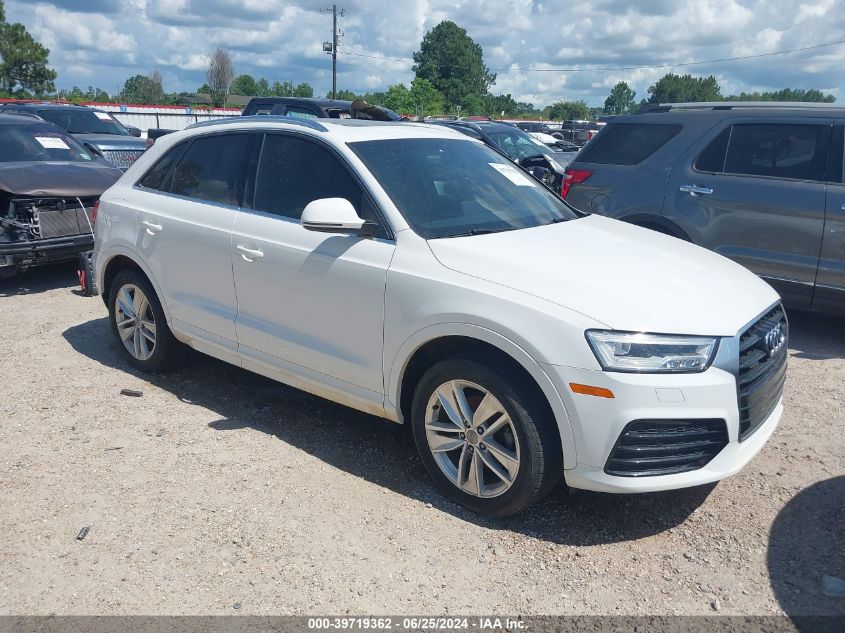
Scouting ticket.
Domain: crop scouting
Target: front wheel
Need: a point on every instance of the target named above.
(485, 436)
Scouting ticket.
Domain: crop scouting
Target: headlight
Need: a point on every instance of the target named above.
(651, 353)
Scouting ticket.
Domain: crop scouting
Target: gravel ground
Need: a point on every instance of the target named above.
(219, 491)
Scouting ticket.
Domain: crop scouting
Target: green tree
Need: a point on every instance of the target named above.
(398, 98)
(454, 64)
(77, 95)
(303, 89)
(787, 94)
(620, 100)
(563, 110)
(142, 89)
(499, 105)
(244, 85)
(263, 87)
(673, 88)
(23, 61)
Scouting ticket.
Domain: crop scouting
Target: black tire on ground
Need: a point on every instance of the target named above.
(541, 459)
(167, 352)
(86, 274)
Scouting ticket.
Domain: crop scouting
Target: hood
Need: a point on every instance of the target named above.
(626, 277)
(562, 159)
(112, 141)
(61, 179)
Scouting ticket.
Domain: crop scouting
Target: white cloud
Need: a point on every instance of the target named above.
(109, 40)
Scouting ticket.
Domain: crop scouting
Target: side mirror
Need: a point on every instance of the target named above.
(133, 130)
(94, 150)
(334, 215)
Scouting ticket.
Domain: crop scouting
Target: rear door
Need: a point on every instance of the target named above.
(186, 216)
(830, 281)
(622, 172)
(753, 190)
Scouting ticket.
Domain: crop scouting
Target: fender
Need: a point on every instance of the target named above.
(125, 249)
(440, 330)
(657, 220)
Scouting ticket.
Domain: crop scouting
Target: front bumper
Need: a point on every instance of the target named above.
(50, 249)
(597, 423)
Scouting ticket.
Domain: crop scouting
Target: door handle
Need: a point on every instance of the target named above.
(248, 253)
(695, 190)
(843, 206)
(152, 227)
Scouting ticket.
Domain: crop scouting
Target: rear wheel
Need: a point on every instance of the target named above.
(486, 438)
(139, 325)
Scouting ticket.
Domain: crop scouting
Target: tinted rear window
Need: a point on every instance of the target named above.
(627, 143)
(782, 151)
(210, 169)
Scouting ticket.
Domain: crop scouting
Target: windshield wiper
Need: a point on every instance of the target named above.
(481, 232)
(558, 220)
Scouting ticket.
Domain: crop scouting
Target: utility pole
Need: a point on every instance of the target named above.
(331, 47)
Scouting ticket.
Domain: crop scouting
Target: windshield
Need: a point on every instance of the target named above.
(25, 144)
(518, 144)
(84, 121)
(451, 187)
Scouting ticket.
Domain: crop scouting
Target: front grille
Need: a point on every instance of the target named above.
(664, 447)
(57, 217)
(762, 370)
(122, 158)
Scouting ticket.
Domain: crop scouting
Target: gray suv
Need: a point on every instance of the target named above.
(759, 183)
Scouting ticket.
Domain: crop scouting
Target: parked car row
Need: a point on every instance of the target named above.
(98, 130)
(415, 271)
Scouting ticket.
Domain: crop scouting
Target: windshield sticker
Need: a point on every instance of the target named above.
(513, 174)
(51, 142)
(102, 116)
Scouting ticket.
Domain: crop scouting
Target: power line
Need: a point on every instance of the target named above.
(617, 68)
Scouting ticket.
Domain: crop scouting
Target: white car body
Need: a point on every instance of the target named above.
(341, 317)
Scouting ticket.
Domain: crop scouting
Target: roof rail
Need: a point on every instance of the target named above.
(730, 105)
(261, 118)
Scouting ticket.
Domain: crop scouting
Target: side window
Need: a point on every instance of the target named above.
(836, 170)
(712, 159)
(468, 131)
(294, 171)
(300, 113)
(211, 169)
(158, 176)
(793, 151)
(625, 143)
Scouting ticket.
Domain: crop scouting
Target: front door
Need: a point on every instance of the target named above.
(307, 300)
(756, 193)
(830, 282)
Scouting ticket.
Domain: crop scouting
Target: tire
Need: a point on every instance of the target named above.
(161, 353)
(521, 425)
(86, 275)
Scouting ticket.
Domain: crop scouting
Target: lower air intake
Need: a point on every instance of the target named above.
(647, 448)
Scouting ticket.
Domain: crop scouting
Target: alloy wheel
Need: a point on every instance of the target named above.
(472, 438)
(136, 326)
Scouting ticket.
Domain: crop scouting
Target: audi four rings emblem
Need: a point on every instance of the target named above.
(775, 338)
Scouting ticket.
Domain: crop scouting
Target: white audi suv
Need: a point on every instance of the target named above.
(411, 272)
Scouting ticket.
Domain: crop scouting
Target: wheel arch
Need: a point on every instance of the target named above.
(433, 343)
(121, 259)
(657, 222)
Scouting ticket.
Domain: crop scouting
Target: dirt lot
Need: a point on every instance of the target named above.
(219, 491)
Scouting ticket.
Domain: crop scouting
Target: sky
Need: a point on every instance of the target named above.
(102, 42)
